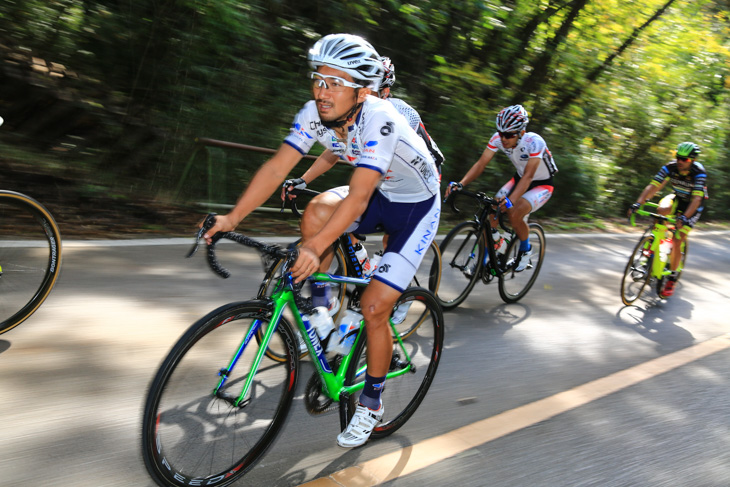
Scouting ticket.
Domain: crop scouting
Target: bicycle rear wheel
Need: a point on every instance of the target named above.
(462, 255)
(191, 436)
(30, 257)
(514, 285)
(421, 349)
(637, 272)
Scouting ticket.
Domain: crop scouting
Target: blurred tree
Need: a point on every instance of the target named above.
(612, 86)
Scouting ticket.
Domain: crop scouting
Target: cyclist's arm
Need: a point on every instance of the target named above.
(476, 170)
(651, 189)
(324, 163)
(362, 185)
(264, 183)
(694, 203)
(321, 165)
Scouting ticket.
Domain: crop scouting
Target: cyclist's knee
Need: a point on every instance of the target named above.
(318, 212)
(377, 302)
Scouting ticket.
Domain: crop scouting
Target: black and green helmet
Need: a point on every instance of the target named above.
(688, 149)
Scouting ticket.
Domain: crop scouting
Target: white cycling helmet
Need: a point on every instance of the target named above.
(351, 54)
(512, 119)
(388, 73)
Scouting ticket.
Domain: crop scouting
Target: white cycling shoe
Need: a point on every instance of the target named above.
(524, 260)
(361, 426)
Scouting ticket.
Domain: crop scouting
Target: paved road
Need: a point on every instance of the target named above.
(73, 377)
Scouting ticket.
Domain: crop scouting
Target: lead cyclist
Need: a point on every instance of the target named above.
(320, 207)
(394, 186)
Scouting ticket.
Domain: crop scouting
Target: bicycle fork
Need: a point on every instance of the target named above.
(244, 397)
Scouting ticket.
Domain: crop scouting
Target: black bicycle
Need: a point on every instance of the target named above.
(30, 257)
(469, 253)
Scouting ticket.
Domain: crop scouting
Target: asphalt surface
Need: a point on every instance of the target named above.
(73, 377)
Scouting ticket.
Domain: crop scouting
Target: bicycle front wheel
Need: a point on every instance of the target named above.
(30, 257)
(637, 272)
(462, 255)
(192, 433)
(514, 285)
(421, 350)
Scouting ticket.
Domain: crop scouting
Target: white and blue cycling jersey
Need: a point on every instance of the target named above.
(381, 139)
(407, 203)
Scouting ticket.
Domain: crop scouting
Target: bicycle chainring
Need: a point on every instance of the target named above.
(314, 399)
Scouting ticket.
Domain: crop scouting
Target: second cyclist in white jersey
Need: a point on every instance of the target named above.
(531, 186)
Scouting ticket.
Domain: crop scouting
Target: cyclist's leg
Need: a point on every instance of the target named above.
(318, 212)
(681, 237)
(411, 228)
(503, 192)
(534, 198)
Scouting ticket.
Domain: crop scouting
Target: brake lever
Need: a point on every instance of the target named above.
(207, 224)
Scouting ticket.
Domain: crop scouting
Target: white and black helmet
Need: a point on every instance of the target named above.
(351, 54)
(512, 119)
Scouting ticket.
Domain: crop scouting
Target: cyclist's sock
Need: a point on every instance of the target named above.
(370, 396)
(525, 245)
(320, 294)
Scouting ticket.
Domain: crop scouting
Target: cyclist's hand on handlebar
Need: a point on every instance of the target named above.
(632, 209)
(290, 185)
(453, 186)
(223, 223)
(307, 263)
(681, 221)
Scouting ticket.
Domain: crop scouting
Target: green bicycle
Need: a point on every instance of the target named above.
(650, 259)
(208, 420)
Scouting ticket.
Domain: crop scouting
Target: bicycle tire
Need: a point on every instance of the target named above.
(402, 395)
(338, 267)
(30, 257)
(456, 257)
(192, 437)
(637, 272)
(514, 285)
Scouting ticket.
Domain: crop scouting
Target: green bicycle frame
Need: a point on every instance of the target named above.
(659, 229)
(332, 382)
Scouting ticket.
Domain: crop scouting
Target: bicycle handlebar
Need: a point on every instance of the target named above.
(642, 212)
(270, 250)
(482, 198)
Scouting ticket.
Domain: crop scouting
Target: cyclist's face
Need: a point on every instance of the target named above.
(334, 104)
(683, 163)
(509, 140)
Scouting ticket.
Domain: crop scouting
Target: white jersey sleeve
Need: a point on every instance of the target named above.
(381, 140)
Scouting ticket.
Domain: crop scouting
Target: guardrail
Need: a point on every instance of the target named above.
(202, 143)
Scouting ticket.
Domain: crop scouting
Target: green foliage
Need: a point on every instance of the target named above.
(612, 86)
